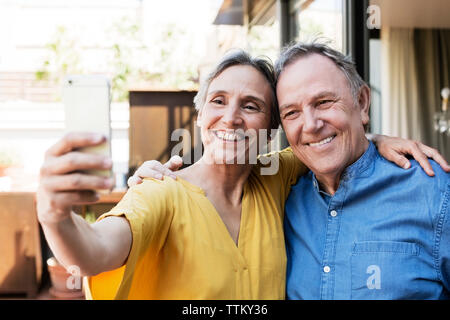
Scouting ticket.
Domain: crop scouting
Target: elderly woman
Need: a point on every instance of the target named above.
(215, 232)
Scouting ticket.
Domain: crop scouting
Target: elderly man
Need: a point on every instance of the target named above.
(356, 226)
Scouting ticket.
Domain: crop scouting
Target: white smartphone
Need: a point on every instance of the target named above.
(86, 101)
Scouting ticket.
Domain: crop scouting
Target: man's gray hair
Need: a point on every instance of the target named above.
(238, 57)
(302, 49)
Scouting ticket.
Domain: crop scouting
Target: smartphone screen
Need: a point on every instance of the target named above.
(86, 101)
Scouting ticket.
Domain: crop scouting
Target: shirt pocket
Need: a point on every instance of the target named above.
(384, 270)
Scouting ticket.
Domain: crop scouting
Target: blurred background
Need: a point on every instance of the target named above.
(156, 52)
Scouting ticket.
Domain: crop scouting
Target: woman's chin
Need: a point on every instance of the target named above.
(227, 158)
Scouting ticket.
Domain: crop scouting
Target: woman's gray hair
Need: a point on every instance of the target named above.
(302, 49)
(240, 57)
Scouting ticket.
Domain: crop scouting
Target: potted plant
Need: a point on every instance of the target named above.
(7, 160)
(67, 283)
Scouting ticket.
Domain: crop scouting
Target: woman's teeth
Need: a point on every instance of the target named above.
(228, 136)
(320, 143)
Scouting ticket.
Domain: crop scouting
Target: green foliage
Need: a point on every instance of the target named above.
(62, 58)
(90, 217)
(126, 36)
(157, 66)
(264, 40)
(9, 158)
(130, 63)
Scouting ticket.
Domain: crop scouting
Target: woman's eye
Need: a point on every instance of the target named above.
(251, 107)
(217, 101)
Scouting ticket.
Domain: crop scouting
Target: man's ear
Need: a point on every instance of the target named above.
(364, 103)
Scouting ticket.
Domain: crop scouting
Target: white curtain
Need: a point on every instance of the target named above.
(399, 84)
(416, 66)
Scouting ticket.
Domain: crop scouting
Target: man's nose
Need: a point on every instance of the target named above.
(232, 115)
(312, 122)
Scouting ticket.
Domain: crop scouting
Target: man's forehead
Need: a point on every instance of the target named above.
(311, 75)
(312, 66)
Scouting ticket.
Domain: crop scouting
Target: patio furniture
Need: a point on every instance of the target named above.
(154, 117)
(20, 248)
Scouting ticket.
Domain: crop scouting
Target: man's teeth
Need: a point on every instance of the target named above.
(228, 136)
(325, 141)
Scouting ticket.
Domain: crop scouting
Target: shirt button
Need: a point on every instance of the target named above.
(333, 213)
(326, 269)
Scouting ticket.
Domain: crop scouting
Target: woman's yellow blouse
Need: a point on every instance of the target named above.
(181, 248)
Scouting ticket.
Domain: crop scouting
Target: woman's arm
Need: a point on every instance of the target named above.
(396, 149)
(92, 248)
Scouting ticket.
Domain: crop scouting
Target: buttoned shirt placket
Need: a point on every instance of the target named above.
(334, 210)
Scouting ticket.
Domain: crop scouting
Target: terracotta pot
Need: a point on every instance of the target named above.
(59, 278)
(3, 171)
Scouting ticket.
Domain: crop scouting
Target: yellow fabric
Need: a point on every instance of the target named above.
(182, 249)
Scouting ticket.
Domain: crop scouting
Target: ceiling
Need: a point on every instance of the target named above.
(414, 13)
(240, 12)
(394, 13)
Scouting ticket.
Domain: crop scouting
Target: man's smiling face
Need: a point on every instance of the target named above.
(323, 123)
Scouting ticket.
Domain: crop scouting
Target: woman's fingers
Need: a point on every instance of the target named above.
(133, 180)
(435, 155)
(174, 163)
(421, 158)
(75, 161)
(399, 159)
(417, 150)
(395, 149)
(76, 182)
(73, 141)
(62, 184)
(147, 173)
(153, 169)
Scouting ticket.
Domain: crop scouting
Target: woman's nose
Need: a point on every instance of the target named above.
(232, 115)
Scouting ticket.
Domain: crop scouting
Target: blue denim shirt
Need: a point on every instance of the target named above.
(385, 234)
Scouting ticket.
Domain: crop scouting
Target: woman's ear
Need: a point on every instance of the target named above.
(199, 118)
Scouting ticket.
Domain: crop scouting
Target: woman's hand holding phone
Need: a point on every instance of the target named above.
(63, 182)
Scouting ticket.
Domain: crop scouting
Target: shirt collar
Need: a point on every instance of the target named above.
(358, 167)
(362, 164)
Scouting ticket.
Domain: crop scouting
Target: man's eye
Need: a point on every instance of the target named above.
(290, 114)
(323, 102)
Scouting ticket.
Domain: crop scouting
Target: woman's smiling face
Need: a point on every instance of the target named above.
(237, 106)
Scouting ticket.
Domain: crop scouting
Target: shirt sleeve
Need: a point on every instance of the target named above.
(148, 207)
(444, 241)
(290, 166)
(281, 169)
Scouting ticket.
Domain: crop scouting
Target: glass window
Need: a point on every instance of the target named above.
(319, 18)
